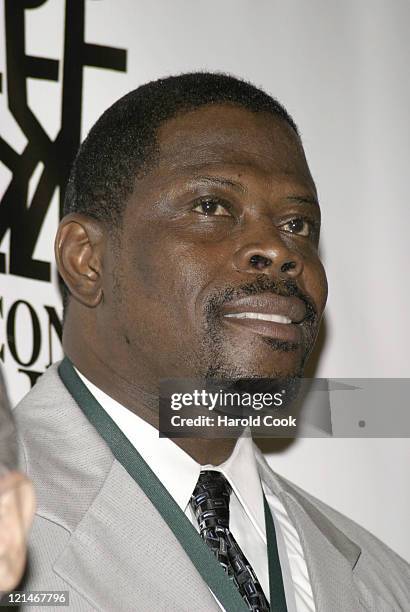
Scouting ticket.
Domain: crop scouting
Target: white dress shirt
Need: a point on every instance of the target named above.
(179, 474)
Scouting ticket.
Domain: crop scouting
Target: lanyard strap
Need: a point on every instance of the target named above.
(276, 588)
(200, 555)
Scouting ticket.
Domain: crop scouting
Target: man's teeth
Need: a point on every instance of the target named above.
(262, 316)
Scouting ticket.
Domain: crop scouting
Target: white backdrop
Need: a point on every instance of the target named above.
(342, 70)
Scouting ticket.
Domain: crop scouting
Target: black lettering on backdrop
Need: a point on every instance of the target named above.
(53, 323)
(32, 375)
(33, 340)
(12, 335)
(25, 219)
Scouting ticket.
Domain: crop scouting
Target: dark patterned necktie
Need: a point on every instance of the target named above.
(210, 502)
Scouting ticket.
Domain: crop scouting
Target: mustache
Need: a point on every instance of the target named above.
(261, 284)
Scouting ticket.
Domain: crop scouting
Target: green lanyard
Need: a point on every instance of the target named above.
(200, 555)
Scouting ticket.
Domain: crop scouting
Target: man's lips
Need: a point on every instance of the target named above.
(269, 306)
(269, 315)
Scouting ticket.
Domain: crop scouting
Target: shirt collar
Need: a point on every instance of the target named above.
(241, 470)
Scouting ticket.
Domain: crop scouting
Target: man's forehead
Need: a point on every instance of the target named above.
(221, 123)
(230, 135)
(232, 161)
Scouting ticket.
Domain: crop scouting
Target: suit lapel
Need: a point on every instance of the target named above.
(123, 542)
(330, 555)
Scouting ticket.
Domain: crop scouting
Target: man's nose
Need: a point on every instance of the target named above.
(269, 255)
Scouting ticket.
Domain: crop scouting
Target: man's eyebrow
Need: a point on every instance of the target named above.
(225, 182)
(220, 181)
(303, 200)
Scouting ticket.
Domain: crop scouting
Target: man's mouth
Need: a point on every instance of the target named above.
(274, 318)
(269, 315)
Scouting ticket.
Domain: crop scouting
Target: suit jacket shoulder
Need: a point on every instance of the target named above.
(51, 429)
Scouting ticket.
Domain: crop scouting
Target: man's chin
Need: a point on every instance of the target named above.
(235, 372)
(286, 365)
(286, 386)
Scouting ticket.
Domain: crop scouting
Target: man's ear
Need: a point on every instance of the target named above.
(79, 247)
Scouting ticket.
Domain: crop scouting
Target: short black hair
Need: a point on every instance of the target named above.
(122, 145)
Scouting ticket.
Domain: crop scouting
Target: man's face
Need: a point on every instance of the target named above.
(217, 272)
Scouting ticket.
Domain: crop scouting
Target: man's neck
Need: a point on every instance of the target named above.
(145, 405)
(206, 451)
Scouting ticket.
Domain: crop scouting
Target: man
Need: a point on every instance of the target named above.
(16, 502)
(189, 248)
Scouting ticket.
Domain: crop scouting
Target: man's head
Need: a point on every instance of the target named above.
(189, 244)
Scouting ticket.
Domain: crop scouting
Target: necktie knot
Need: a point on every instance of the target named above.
(210, 502)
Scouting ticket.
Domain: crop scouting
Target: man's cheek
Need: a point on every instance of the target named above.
(322, 288)
(149, 267)
(315, 285)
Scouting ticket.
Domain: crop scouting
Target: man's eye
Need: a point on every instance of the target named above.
(299, 226)
(211, 207)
